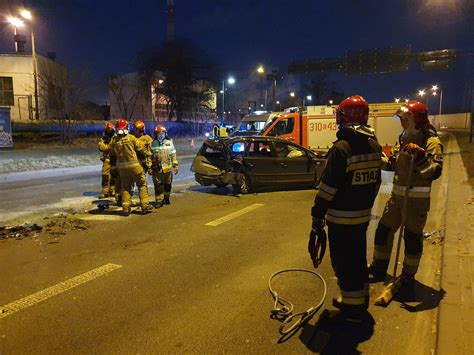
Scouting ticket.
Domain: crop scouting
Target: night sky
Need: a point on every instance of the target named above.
(103, 36)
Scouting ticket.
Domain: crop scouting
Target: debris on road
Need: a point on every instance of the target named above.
(18, 232)
(57, 226)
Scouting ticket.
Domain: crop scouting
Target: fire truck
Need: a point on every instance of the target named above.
(314, 127)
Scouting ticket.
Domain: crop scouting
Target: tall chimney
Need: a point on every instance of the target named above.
(170, 31)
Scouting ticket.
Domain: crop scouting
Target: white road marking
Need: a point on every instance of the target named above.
(235, 214)
(55, 290)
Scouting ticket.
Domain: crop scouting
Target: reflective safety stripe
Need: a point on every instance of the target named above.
(338, 213)
(353, 294)
(364, 165)
(353, 301)
(363, 157)
(127, 164)
(412, 260)
(348, 217)
(415, 191)
(329, 189)
(324, 195)
(326, 192)
(381, 254)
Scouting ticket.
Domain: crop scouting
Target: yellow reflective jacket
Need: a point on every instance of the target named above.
(125, 151)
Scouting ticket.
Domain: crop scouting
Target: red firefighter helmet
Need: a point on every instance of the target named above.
(354, 109)
(121, 124)
(417, 110)
(160, 129)
(140, 126)
(108, 127)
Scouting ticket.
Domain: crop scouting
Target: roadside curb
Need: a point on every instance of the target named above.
(48, 173)
(456, 310)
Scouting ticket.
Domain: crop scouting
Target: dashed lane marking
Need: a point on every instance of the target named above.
(55, 290)
(233, 215)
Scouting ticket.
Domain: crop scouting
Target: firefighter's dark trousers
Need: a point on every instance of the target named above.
(162, 182)
(417, 213)
(348, 248)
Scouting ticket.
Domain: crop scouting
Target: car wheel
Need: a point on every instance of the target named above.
(243, 184)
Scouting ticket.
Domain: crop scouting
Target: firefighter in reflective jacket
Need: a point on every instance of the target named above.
(163, 162)
(349, 185)
(125, 150)
(418, 138)
(108, 180)
(145, 140)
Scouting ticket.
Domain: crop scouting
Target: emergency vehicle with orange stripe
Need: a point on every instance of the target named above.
(314, 127)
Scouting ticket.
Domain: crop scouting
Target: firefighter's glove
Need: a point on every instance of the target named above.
(317, 241)
(416, 150)
(176, 169)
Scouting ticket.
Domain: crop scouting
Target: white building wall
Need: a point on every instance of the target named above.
(20, 69)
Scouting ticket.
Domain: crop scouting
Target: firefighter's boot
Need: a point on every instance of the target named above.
(407, 282)
(166, 201)
(378, 270)
(147, 209)
(349, 311)
(126, 210)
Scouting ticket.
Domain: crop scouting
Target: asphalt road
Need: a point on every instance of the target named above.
(180, 285)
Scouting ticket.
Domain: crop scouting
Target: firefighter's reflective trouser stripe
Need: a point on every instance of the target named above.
(348, 245)
(108, 182)
(417, 212)
(162, 182)
(128, 176)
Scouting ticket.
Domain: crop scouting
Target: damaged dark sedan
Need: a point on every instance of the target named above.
(250, 162)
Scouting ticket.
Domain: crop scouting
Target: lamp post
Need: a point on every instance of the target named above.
(279, 105)
(26, 14)
(230, 81)
(331, 102)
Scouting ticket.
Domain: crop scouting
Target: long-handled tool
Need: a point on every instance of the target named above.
(392, 287)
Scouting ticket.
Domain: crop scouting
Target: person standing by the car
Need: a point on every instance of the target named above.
(419, 139)
(108, 180)
(125, 150)
(348, 188)
(163, 162)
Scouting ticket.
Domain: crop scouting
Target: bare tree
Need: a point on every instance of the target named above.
(182, 70)
(127, 90)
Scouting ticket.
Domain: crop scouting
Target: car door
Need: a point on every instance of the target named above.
(294, 164)
(260, 161)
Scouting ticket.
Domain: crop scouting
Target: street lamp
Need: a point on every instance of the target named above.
(292, 94)
(435, 88)
(261, 69)
(397, 100)
(331, 102)
(421, 93)
(230, 81)
(279, 105)
(26, 14)
(308, 97)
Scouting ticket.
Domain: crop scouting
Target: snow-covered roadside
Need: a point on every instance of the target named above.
(60, 158)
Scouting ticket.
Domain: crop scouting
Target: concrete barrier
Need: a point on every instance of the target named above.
(453, 121)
